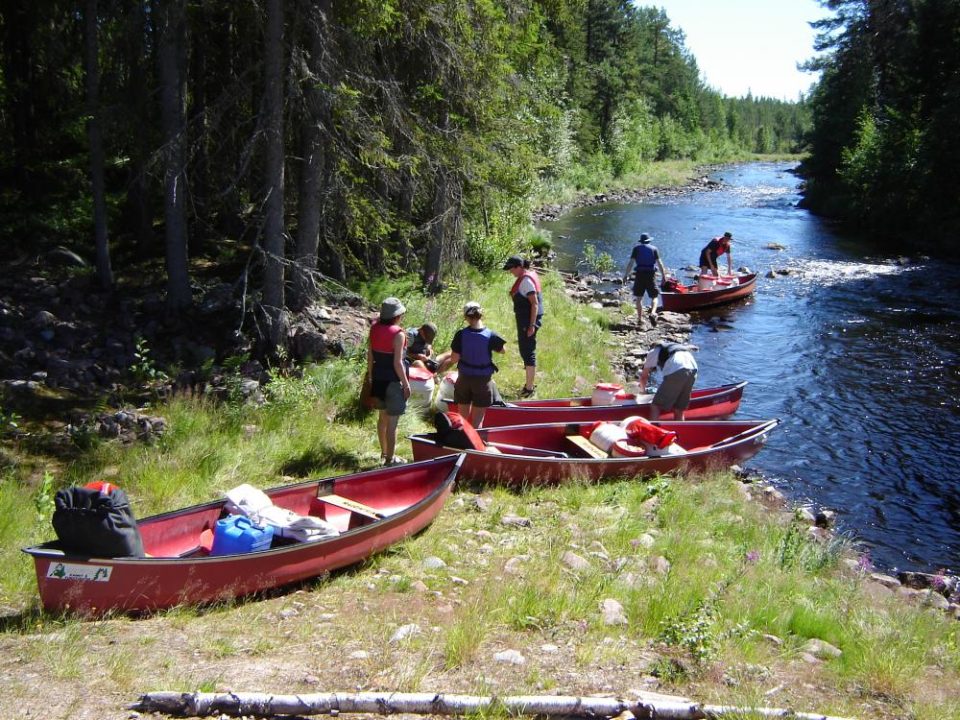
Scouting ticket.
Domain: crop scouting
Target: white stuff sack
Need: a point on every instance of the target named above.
(253, 503)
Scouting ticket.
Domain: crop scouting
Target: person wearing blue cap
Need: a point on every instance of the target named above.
(647, 259)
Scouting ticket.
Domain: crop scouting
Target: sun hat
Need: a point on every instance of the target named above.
(472, 309)
(728, 236)
(512, 262)
(644, 237)
(391, 308)
(429, 330)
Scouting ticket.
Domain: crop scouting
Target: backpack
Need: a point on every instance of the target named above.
(96, 521)
(669, 349)
(673, 285)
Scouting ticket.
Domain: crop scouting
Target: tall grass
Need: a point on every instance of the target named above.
(738, 575)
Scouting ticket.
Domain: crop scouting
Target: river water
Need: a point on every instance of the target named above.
(857, 355)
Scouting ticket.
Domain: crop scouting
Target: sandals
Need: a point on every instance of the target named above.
(395, 460)
(526, 392)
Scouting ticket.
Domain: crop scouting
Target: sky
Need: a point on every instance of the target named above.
(748, 45)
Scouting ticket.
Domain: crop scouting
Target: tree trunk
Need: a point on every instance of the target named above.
(444, 237)
(314, 158)
(172, 30)
(273, 227)
(137, 215)
(95, 137)
(648, 705)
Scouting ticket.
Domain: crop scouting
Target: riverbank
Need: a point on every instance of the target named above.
(706, 587)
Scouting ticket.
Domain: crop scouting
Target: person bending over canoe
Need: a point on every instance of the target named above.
(647, 258)
(676, 362)
(472, 349)
(714, 249)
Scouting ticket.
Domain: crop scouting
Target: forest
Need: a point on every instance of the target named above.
(307, 141)
(883, 150)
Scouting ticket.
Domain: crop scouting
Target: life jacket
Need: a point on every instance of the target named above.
(669, 349)
(645, 256)
(521, 306)
(381, 344)
(454, 430)
(475, 357)
(722, 246)
(639, 430)
(673, 285)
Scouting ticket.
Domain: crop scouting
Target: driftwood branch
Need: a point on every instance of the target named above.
(653, 705)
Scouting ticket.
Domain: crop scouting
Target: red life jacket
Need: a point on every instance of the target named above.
(381, 337)
(454, 430)
(521, 306)
(642, 431)
(534, 278)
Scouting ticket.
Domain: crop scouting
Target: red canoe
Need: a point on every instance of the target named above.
(554, 452)
(372, 510)
(706, 404)
(694, 299)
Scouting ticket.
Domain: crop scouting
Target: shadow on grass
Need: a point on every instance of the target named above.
(310, 461)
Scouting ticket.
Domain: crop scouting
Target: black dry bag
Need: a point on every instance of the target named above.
(95, 522)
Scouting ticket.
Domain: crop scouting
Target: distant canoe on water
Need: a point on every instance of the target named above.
(371, 510)
(727, 289)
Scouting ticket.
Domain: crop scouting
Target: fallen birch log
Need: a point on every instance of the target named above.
(266, 705)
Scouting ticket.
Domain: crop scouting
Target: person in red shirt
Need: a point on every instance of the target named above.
(714, 249)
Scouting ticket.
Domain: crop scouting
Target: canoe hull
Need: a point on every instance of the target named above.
(712, 445)
(706, 404)
(409, 496)
(699, 299)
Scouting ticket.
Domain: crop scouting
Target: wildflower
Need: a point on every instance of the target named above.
(753, 556)
(863, 563)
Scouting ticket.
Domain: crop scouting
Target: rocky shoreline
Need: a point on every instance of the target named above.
(553, 211)
(607, 293)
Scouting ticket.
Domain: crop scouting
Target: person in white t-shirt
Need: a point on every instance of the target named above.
(679, 368)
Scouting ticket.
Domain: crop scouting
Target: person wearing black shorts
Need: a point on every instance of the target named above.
(647, 259)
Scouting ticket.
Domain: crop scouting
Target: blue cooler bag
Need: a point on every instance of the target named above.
(237, 534)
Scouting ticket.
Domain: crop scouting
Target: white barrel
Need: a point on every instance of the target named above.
(445, 393)
(605, 393)
(706, 282)
(606, 434)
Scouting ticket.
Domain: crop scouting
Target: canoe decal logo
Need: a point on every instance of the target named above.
(69, 571)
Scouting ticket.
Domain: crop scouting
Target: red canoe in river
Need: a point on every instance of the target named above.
(695, 299)
(372, 510)
(556, 452)
(706, 404)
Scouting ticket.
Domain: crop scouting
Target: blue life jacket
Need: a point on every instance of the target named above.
(475, 355)
(645, 255)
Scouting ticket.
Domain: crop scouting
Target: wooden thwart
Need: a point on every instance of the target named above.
(588, 447)
(352, 505)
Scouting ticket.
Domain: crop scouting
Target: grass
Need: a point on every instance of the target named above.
(720, 594)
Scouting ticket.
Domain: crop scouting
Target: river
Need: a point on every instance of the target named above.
(855, 353)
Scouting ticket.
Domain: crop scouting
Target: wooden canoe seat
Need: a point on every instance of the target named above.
(353, 506)
(588, 447)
